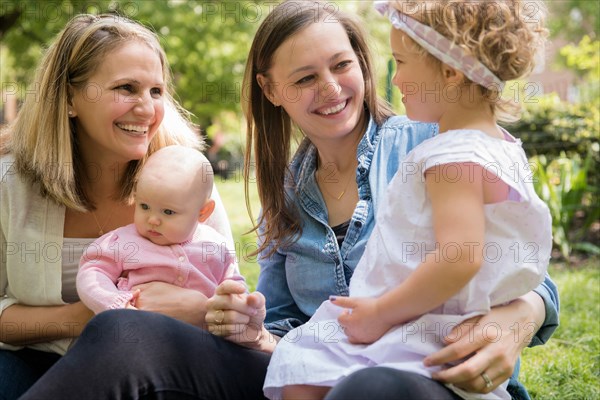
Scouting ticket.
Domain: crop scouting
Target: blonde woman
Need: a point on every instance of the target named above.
(101, 104)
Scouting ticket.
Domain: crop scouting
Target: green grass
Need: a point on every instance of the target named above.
(567, 367)
(232, 194)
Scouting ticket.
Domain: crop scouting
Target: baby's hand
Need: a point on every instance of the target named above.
(362, 322)
(131, 303)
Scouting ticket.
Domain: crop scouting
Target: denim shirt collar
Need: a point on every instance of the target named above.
(304, 164)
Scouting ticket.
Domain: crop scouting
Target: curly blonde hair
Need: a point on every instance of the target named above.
(505, 35)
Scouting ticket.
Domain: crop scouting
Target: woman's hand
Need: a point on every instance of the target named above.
(494, 341)
(234, 314)
(186, 305)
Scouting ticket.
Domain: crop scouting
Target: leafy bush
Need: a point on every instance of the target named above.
(563, 142)
(551, 127)
(563, 184)
(584, 61)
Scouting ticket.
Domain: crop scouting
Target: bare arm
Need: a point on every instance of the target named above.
(21, 325)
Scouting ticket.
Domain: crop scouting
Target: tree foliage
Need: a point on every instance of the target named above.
(573, 19)
(583, 58)
(206, 42)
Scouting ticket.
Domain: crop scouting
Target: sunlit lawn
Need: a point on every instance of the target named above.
(567, 367)
(232, 193)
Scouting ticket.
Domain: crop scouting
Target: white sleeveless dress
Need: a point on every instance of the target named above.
(518, 242)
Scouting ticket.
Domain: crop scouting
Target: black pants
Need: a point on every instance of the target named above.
(380, 383)
(127, 354)
(20, 369)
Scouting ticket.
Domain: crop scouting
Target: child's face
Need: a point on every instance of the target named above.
(419, 80)
(166, 211)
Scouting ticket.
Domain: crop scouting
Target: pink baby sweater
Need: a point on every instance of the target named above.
(122, 259)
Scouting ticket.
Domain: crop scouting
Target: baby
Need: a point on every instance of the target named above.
(168, 240)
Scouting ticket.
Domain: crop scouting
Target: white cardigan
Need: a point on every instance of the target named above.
(31, 239)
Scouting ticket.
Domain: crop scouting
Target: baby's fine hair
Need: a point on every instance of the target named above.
(507, 36)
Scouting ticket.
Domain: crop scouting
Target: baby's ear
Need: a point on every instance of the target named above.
(206, 211)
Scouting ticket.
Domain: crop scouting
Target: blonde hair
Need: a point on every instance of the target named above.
(43, 137)
(505, 35)
(270, 129)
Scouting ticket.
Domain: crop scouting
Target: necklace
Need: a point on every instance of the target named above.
(339, 197)
(101, 227)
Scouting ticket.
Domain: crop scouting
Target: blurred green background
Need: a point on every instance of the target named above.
(207, 43)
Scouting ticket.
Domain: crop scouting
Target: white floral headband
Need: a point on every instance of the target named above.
(441, 47)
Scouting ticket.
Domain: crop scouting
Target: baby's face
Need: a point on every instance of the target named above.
(166, 211)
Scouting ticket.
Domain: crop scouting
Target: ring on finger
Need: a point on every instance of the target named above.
(487, 380)
(219, 320)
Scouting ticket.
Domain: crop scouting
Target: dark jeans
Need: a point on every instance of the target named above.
(20, 369)
(380, 383)
(126, 354)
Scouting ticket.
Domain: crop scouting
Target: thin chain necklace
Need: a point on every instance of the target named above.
(339, 197)
(101, 227)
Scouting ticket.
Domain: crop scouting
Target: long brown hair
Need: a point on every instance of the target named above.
(43, 138)
(270, 130)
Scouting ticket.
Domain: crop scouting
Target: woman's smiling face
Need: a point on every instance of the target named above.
(316, 77)
(120, 107)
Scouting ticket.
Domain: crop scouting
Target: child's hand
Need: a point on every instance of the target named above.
(131, 303)
(362, 322)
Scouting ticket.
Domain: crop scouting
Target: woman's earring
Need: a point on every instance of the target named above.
(70, 113)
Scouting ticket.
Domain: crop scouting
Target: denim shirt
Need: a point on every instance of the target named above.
(297, 279)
